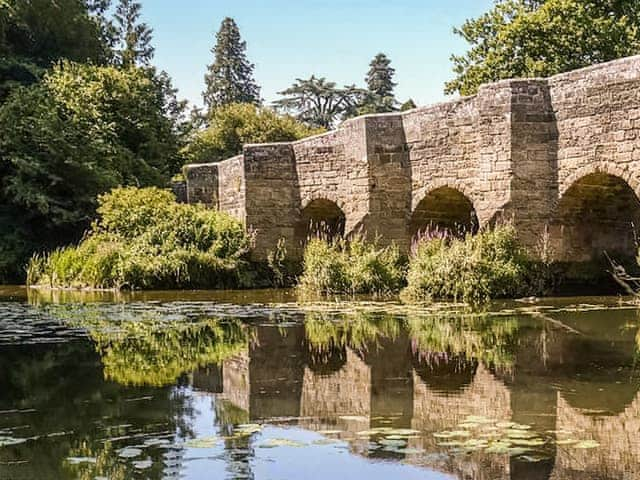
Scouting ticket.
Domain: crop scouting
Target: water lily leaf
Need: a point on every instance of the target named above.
(587, 444)
(393, 443)
(524, 442)
(143, 464)
(566, 441)
(405, 432)
(355, 418)
(203, 442)
(468, 425)
(505, 424)
(78, 460)
(280, 442)
(129, 452)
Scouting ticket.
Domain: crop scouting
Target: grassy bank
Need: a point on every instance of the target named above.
(144, 239)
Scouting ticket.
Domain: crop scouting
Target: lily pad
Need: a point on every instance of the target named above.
(586, 444)
(203, 442)
(129, 452)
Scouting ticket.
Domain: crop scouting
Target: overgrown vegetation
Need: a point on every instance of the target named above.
(144, 239)
(234, 125)
(351, 266)
(472, 269)
(476, 268)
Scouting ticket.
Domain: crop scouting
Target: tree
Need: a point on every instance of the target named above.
(79, 132)
(133, 39)
(319, 103)
(379, 97)
(232, 126)
(36, 33)
(532, 38)
(408, 105)
(229, 78)
(380, 76)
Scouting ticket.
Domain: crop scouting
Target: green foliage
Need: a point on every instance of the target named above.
(232, 126)
(408, 105)
(80, 132)
(44, 31)
(352, 267)
(132, 39)
(319, 103)
(230, 78)
(144, 239)
(524, 38)
(491, 264)
(380, 97)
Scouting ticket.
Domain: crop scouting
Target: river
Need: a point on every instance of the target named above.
(259, 385)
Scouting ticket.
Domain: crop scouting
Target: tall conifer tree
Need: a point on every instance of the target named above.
(230, 78)
(380, 97)
(133, 42)
(380, 76)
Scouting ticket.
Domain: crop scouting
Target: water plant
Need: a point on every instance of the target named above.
(472, 269)
(351, 266)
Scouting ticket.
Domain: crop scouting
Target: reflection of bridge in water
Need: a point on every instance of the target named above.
(558, 381)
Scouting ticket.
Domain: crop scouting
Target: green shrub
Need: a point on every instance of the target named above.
(144, 239)
(352, 267)
(491, 264)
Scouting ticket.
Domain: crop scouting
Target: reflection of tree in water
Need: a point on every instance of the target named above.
(459, 338)
(152, 350)
(436, 338)
(64, 385)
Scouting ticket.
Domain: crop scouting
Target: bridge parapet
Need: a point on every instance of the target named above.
(513, 150)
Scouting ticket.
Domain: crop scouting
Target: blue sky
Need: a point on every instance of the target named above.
(331, 38)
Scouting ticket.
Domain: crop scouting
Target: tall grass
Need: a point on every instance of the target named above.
(351, 267)
(473, 269)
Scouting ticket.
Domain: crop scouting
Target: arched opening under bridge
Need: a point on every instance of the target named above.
(320, 218)
(599, 213)
(444, 210)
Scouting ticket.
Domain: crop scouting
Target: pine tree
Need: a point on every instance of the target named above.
(380, 97)
(133, 39)
(230, 78)
(380, 76)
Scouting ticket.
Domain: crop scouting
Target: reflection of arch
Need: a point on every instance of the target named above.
(449, 374)
(325, 361)
(598, 212)
(320, 217)
(444, 208)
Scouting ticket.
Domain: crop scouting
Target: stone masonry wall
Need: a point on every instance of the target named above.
(513, 150)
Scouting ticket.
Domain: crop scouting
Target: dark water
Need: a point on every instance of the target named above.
(252, 385)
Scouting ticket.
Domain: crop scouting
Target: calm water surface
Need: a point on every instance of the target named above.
(244, 385)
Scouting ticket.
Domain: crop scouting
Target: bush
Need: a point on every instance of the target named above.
(144, 239)
(352, 267)
(491, 264)
(232, 126)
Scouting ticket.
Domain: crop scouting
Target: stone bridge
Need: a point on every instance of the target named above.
(559, 157)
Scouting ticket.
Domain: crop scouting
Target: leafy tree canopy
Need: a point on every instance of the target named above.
(229, 78)
(81, 131)
(232, 126)
(318, 102)
(537, 38)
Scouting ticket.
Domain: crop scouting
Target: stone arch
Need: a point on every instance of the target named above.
(598, 211)
(321, 217)
(444, 207)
